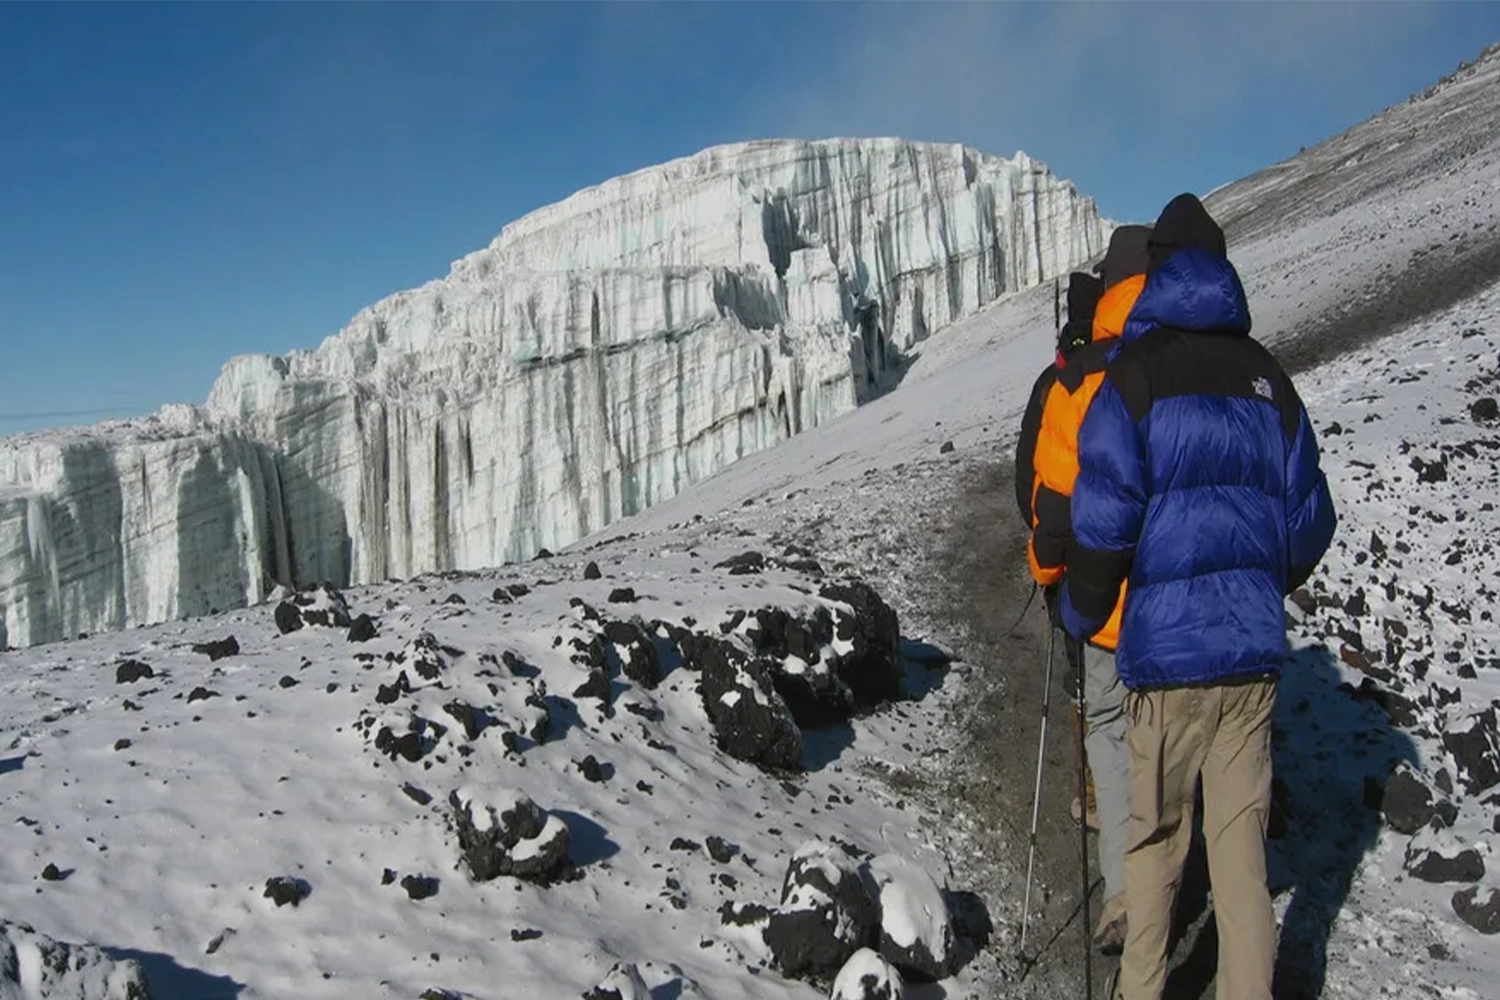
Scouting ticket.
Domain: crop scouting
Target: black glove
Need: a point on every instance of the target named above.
(1073, 675)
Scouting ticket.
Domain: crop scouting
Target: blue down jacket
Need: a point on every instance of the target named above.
(1198, 482)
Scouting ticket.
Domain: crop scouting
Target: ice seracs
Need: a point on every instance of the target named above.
(600, 355)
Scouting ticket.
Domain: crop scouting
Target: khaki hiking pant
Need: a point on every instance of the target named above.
(1222, 732)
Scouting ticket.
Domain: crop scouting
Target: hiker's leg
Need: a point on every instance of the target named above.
(1109, 759)
(1236, 804)
(1168, 736)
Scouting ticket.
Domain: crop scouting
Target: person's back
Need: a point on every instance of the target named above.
(1199, 483)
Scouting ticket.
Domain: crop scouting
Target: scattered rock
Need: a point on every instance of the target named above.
(133, 670)
(201, 694)
(52, 873)
(641, 663)
(362, 629)
(1479, 907)
(825, 915)
(524, 933)
(591, 769)
(286, 890)
(419, 887)
(591, 571)
(287, 681)
(945, 448)
(218, 940)
(1484, 410)
(218, 649)
(622, 595)
(867, 976)
(505, 833)
(455, 598)
(743, 564)
(288, 618)
(417, 795)
(721, 850)
(872, 669)
(1409, 804)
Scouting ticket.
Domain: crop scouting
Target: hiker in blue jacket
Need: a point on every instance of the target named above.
(1199, 484)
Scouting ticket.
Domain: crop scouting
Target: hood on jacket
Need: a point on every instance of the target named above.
(1184, 224)
(1084, 291)
(1127, 256)
(1193, 290)
(1116, 305)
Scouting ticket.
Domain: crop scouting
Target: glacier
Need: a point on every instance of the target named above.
(600, 355)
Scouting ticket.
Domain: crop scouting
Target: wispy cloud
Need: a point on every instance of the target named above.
(1067, 81)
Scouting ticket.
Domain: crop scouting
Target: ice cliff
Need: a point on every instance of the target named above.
(598, 356)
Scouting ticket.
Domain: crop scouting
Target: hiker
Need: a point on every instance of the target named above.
(1198, 482)
(1050, 435)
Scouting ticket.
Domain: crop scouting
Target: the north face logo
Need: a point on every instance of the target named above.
(1262, 387)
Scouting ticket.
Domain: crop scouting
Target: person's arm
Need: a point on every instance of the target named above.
(1025, 464)
(1109, 507)
(1310, 516)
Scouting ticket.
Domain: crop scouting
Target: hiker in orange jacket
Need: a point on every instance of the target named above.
(1046, 465)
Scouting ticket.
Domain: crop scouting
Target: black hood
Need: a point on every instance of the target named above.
(1185, 223)
(1127, 255)
(1084, 292)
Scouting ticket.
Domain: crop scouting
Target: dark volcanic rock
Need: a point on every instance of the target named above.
(288, 617)
(1409, 804)
(508, 835)
(623, 982)
(1479, 907)
(419, 887)
(52, 873)
(362, 629)
(872, 669)
(744, 563)
(473, 720)
(820, 921)
(591, 571)
(201, 694)
(286, 890)
(867, 976)
(133, 670)
(1475, 746)
(1436, 857)
(640, 663)
(751, 722)
(622, 595)
(218, 649)
(1484, 409)
(416, 794)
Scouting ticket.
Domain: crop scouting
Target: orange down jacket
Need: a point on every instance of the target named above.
(1052, 421)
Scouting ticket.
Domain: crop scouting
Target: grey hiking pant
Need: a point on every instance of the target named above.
(1109, 760)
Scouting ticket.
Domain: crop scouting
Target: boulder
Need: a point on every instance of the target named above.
(1479, 907)
(1475, 746)
(867, 976)
(35, 965)
(1409, 803)
(750, 720)
(826, 914)
(1435, 856)
(623, 982)
(872, 665)
(916, 932)
(505, 833)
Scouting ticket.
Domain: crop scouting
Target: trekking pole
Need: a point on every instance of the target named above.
(1036, 795)
(1075, 653)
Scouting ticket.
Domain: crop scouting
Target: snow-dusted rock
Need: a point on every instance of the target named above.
(916, 932)
(600, 355)
(323, 606)
(826, 913)
(867, 976)
(34, 966)
(623, 982)
(751, 722)
(1435, 855)
(1479, 907)
(1409, 803)
(1475, 746)
(505, 833)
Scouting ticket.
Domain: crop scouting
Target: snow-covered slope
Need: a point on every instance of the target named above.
(601, 354)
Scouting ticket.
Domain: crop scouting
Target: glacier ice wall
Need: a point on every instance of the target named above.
(598, 356)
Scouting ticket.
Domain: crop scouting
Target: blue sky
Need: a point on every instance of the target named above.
(185, 182)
